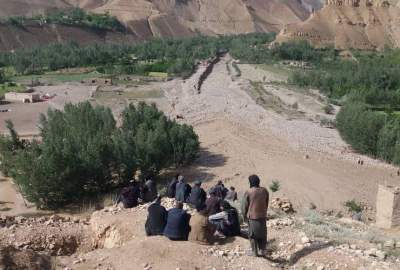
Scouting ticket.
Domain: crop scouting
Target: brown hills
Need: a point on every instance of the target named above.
(155, 18)
(346, 24)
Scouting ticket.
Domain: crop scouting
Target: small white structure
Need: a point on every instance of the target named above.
(388, 207)
(21, 97)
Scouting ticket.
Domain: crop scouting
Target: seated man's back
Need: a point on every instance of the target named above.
(197, 196)
(201, 230)
(156, 219)
(177, 227)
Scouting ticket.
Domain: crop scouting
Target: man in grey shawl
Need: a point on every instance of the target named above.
(254, 209)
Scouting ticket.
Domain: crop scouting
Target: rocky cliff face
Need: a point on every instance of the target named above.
(346, 24)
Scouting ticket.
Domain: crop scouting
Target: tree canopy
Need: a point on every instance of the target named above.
(82, 152)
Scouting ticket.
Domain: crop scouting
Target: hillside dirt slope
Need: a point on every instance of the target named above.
(358, 24)
(13, 37)
(30, 7)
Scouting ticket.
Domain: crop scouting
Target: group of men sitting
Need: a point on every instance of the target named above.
(214, 217)
(138, 192)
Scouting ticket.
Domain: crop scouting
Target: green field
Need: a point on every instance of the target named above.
(278, 70)
(130, 95)
(57, 77)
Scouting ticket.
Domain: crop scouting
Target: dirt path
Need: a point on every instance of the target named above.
(11, 201)
(240, 138)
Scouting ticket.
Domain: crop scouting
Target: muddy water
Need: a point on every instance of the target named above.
(11, 201)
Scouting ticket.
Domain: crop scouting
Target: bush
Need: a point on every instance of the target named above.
(353, 206)
(275, 186)
(83, 153)
(3, 78)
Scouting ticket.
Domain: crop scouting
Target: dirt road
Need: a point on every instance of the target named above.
(240, 138)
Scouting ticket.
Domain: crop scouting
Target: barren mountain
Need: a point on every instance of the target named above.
(30, 7)
(178, 17)
(349, 24)
(169, 18)
(12, 37)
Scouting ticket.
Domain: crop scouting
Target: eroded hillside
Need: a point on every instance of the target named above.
(160, 18)
(346, 24)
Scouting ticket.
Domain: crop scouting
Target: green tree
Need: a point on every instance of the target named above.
(82, 152)
(3, 77)
(74, 159)
(360, 127)
(158, 142)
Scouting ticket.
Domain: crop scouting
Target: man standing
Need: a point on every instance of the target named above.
(254, 209)
(171, 188)
(220, 190)
(150, 188)
(156, 219)
(182, 190)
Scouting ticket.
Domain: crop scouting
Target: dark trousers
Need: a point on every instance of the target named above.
(258, 235)
(258, 245)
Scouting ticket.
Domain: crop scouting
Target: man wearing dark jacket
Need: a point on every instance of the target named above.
(220, 190)
(182, 190)
(197, 196)
(150, 190)
(213, 203)
(177, 227)
(129, 195)
(171, 188)
(254, 209)
(156, 219)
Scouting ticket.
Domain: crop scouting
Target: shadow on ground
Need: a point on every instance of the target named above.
(295, 257)
(200, 169)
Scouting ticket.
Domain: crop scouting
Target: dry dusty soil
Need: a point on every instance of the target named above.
(240, 138)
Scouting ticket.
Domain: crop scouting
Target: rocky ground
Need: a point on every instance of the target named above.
(114, 238)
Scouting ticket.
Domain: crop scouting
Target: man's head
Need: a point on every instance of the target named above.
(220, 183)
(179, 205)
(254, 181)
(225, 206)
(181, 178)
(232, 188)
(197, 183)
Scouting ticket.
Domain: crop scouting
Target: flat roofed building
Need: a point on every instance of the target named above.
(21, 97)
